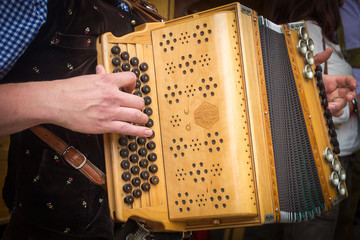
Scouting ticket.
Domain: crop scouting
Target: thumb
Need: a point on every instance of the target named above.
(100, 69)
(323, 56)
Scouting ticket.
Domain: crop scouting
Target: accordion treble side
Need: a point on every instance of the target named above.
(241, 132)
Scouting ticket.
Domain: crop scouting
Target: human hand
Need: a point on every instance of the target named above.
(94, 104)
(339, 89)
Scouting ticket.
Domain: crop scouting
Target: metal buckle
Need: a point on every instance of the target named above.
(68, 149)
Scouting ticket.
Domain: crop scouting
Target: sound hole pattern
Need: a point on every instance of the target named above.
(199, 35)
(215, 198)
(187, 64)
(206, 87)
(212, 143)
(199, 173)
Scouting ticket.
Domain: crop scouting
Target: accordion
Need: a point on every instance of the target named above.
(242, 133)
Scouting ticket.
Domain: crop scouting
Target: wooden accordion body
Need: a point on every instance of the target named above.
(240, 134)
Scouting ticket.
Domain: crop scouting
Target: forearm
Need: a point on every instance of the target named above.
(24, 105)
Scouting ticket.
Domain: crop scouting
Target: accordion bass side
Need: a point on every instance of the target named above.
(241, 132)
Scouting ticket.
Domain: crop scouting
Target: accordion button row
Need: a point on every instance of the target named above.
(138, 160)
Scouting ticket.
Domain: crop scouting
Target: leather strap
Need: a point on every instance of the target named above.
(71, 155)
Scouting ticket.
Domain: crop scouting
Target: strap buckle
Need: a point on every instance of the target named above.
(73, 157)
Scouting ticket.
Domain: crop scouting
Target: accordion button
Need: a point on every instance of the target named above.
(116, 61)
(150, 123)
(145, 77)
(327, 113)
(136, 181)
(153, 168)
(141, 140)
(324, 103)
(125, 55)
(318, 68)
(148, 111)
(124, 152)
(144, 66)
(334, 142)
(127, 188)
(138, 93)
(144, 174)
(152, 135)
(336, 150)
(115, 50)
(129, 199)
(330, 123)
(133, 146)
(125, 164)
(320, 84)
(154, 180)
(147, 100)
(133, 22)
(143, 163)
(318, 75)
(151, 145)
(134, 158)
(137, 193)
(136, 71)
(135, 170)
(146, 89)
(332, 133)
(125, 67)
(152, 157)
(145, 187)
(138, 83)
(116, 70)
(134, 61)
(142, 151)
(126, 176)
(123, 141)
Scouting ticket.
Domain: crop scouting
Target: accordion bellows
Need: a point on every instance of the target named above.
(241, 132)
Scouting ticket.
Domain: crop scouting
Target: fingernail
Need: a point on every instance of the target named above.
(98, 69)
(148, 132)
(331, 106)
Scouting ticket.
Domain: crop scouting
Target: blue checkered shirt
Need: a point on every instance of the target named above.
(20, 20)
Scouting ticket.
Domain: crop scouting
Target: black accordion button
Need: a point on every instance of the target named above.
(125, 55)
(330, 123)
(146, 89)
(129, 199)
(151, 145)
(318, 76)
(148, 111)
(320, 84)
(115, 50)
(152, 157)
(153, 168)
(145, 77)
(332, 132)
(324, 103)
(334, 142)
(123, 141)
(124, 152)
(322, 93)
(154, 180)
(136, 71)
(126, 176)
(134, 158)
(138, 83)
(145, 175)
(147, 100)
(143, 163)
(137, 193)
(138, 93)
(125, 164)
(116, 61)
(327, 113)
(136, 181)
(125, 67)
(141, 140)
(144, 66)
(134, 61)
(142, 151)
(133, 146)
(150, 123)
(116, 70)
(152, 135)
(318, 68)
(336, 150)
(127, 188)
(135, 170)
(145, 187)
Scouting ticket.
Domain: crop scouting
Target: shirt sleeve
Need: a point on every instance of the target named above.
(19, 23)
